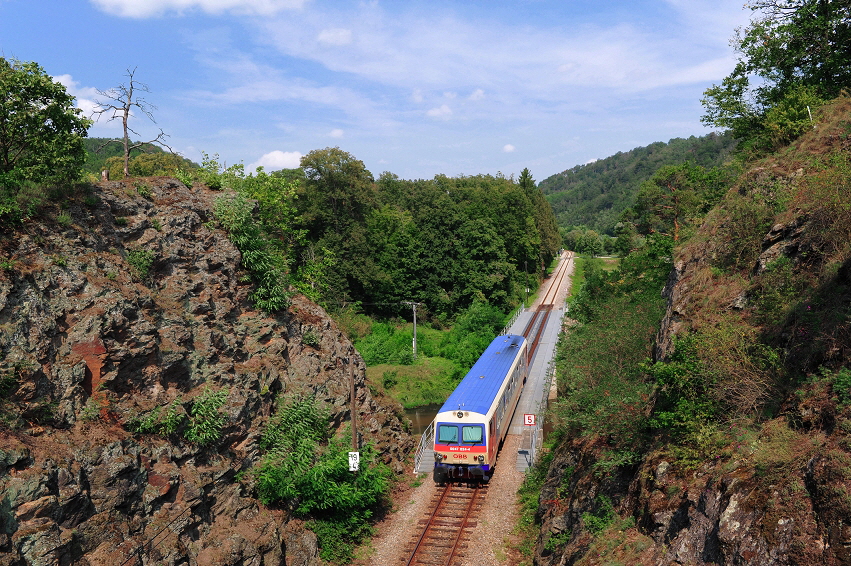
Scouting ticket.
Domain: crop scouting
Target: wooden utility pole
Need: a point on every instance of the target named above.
(353, 406)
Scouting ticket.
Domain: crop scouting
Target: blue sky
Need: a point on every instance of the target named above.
(415, 88)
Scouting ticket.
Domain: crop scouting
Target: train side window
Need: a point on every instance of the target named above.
(447, 434)
(472, 434)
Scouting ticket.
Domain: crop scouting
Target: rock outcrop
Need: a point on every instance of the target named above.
(767, 480)
(132, 302)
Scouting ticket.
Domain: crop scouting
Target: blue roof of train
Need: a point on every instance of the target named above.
(477, 390)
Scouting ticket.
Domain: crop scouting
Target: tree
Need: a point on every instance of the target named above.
(338, 189)
(121, 101)
(794, 54)
(672, 197)
(41, 133)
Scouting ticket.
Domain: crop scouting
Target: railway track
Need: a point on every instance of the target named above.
(446, 528)
(446, 531)
(534, 329)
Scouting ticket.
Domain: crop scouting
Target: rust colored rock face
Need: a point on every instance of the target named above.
(96, 347)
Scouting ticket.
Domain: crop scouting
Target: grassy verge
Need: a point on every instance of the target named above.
(429, 380)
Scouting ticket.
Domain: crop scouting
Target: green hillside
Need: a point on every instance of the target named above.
(148, 159)
(596, 194)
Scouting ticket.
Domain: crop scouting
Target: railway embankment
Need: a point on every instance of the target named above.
(136, 382)
(731, 445)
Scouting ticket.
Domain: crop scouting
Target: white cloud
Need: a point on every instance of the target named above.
(149, 8)
(443, 111)
(277, 159)
(87, 102)
(439, 52)
(336, 133)
(450, 95)
(590, 161)
(508, 148)
(336, 36)
(417, 96)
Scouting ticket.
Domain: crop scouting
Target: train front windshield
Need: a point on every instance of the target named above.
(470, 434)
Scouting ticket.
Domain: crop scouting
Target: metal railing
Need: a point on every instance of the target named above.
(426, 443)
(514, 317)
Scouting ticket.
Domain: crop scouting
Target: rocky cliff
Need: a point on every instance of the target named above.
(771, 267)
(127, 301)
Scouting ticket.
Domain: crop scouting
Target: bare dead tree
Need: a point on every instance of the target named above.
(119, 102)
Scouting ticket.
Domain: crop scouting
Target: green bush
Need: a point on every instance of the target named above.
(842, 385)
(602, 388)
(156, 423)
(602, 517)
(308, 472)
(144, 190)
(683, 402)
(267, 267)
(206, 419)
(184, 177)
(140, 262)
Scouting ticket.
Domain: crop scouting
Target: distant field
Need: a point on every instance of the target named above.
(428, 380)
(582, 263)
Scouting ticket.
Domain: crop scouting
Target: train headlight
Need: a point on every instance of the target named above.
(460, 414)
(481, 458)
(437, 457)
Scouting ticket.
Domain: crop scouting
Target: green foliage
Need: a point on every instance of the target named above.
(474, 329)
(842, 385)
(8, 382)
(266, 268)
(140, 261)
(206, 419)
(184, 177)
(91, 410)
(210, 173)
(445, 243)
(311, 338)
(584, 241)
(308, 472)
(602, 390)
(683, 404)
(793, 55)
(144, 190)
(64, 219)
(146, 159)
(42, 135)
(596, 195)
(603, 516)
(675, 199)
(157, 423)
(389, 379)
(557, 540)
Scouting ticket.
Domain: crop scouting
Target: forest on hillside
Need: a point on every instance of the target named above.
(596, 195)
(350, 241)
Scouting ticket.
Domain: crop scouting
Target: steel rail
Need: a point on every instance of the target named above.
(463, 526)
(450, 543)
(437, 508)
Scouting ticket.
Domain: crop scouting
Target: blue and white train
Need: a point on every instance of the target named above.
(472, 423)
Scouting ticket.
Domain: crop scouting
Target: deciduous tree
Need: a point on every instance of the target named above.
(794, 54)
(41, 133)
